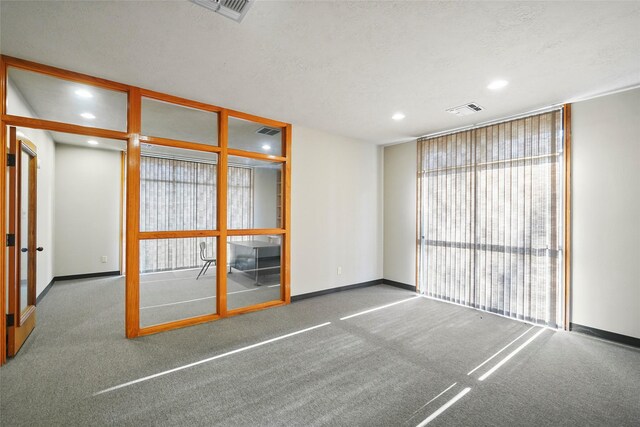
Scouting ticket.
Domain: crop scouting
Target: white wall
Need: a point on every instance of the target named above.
(336, 211)
(400, 167)
(606, 213)
(265, 197)
(87, 220)
(45, 207)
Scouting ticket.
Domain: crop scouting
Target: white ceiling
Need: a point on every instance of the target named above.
(343, 67)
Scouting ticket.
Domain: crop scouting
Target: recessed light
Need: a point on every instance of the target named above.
(266, 147)
(92, 142)
(398, 116)
(88, 116)
(497, 84)
(20, 134)
(83, 93)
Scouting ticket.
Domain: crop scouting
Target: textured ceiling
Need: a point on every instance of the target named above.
(343, 67)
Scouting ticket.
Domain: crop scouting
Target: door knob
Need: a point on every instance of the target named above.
(39, 249)
(24, 249)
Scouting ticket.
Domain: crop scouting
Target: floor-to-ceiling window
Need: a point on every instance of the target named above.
(491, 217)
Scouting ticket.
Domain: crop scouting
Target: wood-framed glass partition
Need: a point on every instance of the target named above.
(212, 237)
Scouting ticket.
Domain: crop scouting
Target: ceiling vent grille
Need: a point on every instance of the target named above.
(233, 9)
(466, 109)
(268, 131)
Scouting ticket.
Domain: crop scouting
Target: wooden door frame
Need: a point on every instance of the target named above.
(23, 322)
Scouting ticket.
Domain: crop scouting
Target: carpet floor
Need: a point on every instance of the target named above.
(313, 363)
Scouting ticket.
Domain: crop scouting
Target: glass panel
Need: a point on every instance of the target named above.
(251, 136)
(253, 274)
(177, 189)
(24, 230)
(174, 121)
(177, 279)
(254, 194)
(79, 140)
(40, 96)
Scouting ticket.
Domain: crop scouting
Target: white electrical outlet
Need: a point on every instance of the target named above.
(339, 270)
(103, 259)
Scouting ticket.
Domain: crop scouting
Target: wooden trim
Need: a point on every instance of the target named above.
(256, 232)
(183, 102)
(123, 189)
(3, 209)
(62, 127)
(33, 225)
(257, 156)
(27, 324)
(162, 327)
(64, 74)
(178, 234)
(30, 147)
(256, 119)
(10, 332)
(256, 307)
(166, 142)
(221, 253)
(132, 279)
(285, 277)
(566, 110)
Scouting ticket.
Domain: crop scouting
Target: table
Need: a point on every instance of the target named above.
(255, 257)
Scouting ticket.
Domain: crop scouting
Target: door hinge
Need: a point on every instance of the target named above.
(11, 159)
(9, 320)
(11, 239)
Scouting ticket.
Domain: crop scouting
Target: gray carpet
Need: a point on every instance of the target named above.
(176, 295)
(377, 369)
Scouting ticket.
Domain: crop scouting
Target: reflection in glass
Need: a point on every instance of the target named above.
(24, 230)
(65, 101)
(177, 279)
(251, 136)
(174, 121)
(177, 189)
(253, 273)
(254, 194)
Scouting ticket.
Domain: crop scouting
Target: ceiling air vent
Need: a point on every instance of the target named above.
(233, 9)
(268, 131)
(465, 110)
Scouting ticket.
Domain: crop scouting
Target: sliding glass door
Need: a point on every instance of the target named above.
(491, 218)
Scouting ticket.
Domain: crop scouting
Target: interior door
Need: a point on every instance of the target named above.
(21, 311)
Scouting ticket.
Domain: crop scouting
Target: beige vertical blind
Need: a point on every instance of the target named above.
(491, 218)
(240, 197)
(181, 195)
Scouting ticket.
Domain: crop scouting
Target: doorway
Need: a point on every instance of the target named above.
(22, 246)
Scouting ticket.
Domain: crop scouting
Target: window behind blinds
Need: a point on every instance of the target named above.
(491, 218)
(181, 195)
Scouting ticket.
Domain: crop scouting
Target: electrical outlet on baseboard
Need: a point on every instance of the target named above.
(103, 259)
(339, 270)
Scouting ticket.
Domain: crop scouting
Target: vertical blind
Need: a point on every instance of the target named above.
(491, 218)
(181, 195)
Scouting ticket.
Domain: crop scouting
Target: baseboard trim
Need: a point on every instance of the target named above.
(606, 335)
(45, 291)
(399, 285)
(295, 298)
(87, 275)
